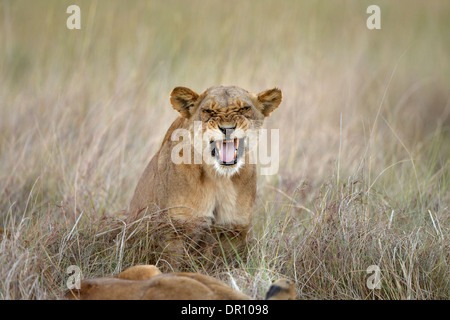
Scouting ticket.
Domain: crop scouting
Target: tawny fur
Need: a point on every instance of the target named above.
(282, 289)
(148, 283)
(141, 272)
(206, 193)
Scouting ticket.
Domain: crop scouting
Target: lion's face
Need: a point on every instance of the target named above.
(228, 117)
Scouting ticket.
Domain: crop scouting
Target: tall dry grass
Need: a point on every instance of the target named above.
(364, 127)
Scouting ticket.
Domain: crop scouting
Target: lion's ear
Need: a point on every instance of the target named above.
(182, 100)
(270, 100)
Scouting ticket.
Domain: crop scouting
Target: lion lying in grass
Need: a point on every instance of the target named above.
(146, 282)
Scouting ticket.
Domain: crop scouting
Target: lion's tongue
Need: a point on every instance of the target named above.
(228, 151)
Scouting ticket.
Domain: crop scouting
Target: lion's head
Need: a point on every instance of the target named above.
(228, 116)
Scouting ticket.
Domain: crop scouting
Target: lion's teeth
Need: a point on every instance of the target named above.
(237, 143)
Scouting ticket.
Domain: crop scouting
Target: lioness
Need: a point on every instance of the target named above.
(147, 282)
(221, 188)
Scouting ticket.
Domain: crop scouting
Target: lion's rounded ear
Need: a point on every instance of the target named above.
(182, 100)
(270, 100)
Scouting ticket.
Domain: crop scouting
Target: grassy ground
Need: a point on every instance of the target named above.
(364, 127)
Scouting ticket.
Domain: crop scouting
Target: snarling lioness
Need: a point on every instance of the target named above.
(219, 189)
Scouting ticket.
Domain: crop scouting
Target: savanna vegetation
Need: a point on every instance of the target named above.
(364, 139)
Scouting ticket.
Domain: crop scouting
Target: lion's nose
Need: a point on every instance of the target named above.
(227, 130)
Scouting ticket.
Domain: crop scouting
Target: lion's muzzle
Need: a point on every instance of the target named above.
(227, 152)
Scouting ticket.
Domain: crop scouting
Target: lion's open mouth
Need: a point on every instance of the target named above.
(227, 152)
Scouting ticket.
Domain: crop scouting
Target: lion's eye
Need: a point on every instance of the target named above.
(246, 108)
(208, 113)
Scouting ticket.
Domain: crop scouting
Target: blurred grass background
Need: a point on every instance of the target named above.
(364, 129)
